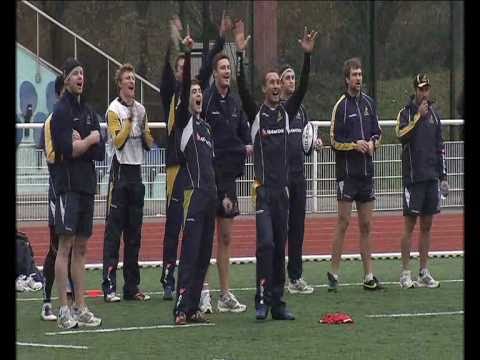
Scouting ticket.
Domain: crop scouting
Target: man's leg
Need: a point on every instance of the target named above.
(224, 239)
(296, 230)
(343, 220)
(61, 267)
(173, 225)
(425, 238)
(49, 265)
(365, 211)
(132, 241)
(409, 226)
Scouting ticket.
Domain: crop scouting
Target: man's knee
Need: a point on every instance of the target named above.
(365, 227)
(79, 247)
(343, 222)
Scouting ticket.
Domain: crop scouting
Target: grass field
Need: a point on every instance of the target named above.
(240, 336)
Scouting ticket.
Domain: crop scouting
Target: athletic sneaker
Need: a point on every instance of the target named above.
(205, 302)
(427, 280)
(372, 284)
(139, 296)
(181, 318)
(406, 280)
(21, 283)
(65, 319)
(197, 318)
(332, 282)
(299, 286)
(111, 297)
(35, 282)
(86, 318)
(229, 303)
(47, 313)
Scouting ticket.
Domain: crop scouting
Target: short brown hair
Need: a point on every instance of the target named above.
(270, 70)
(195, 81)
(217, 58)
(349, 64)
(123, 69)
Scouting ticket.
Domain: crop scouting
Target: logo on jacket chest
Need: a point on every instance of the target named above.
(203, 139)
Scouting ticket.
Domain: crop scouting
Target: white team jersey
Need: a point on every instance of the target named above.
(132, 151)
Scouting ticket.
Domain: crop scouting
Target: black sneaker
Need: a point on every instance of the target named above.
(261, 311)
(282, 313)
(373, 284)
(332, 282)
(197, 318)
(180, 318)
(167, 293)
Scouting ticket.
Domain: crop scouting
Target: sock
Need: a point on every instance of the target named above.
(369, 277)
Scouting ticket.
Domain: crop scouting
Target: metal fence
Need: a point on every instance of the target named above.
(32, 181)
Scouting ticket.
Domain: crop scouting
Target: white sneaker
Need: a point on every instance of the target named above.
(427, 280)
(406, 280)
(229, 303)
(205, 302)
(65, 319)
(299, 286)
(112, 297)
(47, 313)
(86, 318)
(33, 284)
(21, 283)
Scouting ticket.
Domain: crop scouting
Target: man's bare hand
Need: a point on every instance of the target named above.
(249, 149)
(371, 147)
(226, 24)
(75, 136)
(318, 144)
(94, 137)
(239, 34)
(362, 146)
(188, 41)
(227, 205)
(308, 41)
(423, 108)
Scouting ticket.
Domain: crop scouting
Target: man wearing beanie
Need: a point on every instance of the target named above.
(74, 182)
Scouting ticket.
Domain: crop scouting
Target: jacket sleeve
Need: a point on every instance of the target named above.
(147, 138)
(248, 104)
(95, 152)
(61, 127)
(406, 124)
(117, 131)
(244, 129)
(375, 130)
(339, 138)
(182, 114)
(207, 67)
(442, 165)
(167, 85)
(293, 103)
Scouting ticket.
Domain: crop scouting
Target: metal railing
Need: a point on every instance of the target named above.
(32, 179)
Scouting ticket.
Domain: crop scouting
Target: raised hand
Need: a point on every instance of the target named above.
(308, 40)
(239, 34)
(188, 41)
(175, 28)
(226, 24)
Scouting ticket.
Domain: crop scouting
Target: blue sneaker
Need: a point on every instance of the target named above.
(332, 282)
(167, 292)
(261, 311)
(282, 313)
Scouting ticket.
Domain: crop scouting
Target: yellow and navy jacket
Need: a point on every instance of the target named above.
(230, 130)
(354, 118)
(423, 154)
(69, 173)
(170, 93)
(270, 127)
(196, 141)
(128, 131)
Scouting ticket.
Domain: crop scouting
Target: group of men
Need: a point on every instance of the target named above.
(210, 134)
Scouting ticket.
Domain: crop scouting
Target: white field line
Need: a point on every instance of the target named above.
(460, 312)
(306, 258)
(52, 346)
(69, 332)
(252, 288)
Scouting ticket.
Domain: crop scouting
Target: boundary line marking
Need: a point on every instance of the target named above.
(18, 343)
(69, 332)
(460, 312)
(252, 288)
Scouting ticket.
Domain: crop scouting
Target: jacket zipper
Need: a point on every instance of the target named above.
(363, 135)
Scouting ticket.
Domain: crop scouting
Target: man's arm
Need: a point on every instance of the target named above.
(97, 151)
(407, 122)
(440, 148)
(182, 115)
(376, 130)
(293, 103)
(248, 104)
(339, 138)
(118, 133)
(167, 86)
(147, 138)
